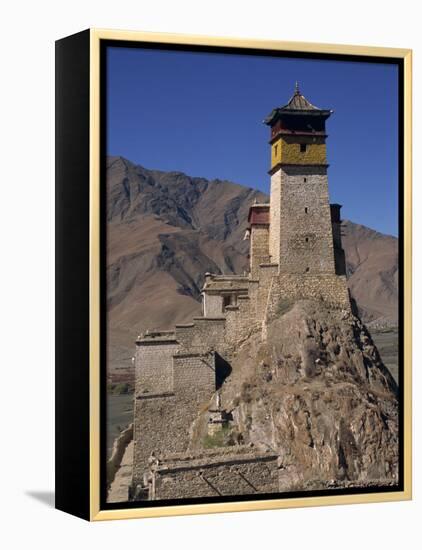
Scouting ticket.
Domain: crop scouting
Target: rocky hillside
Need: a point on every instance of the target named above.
(166, 229)
(318, 394)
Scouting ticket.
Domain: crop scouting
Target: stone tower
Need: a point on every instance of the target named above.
(295, 254)
(300, 235)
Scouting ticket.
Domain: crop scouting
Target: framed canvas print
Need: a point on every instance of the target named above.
(233, 274)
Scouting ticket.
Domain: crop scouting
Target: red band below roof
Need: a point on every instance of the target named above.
(259, 214)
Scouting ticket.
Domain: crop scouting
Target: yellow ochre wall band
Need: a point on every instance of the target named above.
(289, 152)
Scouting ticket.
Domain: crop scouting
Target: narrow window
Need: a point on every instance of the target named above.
(304, 179)
(307, 269)
(306, 239)
(303, 147)
(275, 150)
(306, 208)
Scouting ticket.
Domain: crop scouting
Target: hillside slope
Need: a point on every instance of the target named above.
(317, 393)
(165, 230)
(372, 269)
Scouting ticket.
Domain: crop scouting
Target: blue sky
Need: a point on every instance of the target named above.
(202, 114)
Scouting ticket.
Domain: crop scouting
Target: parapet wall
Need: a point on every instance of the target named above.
(240, 321)
(154, 363)
(213, 305)
(194, 376)
(214, 473)
(204, 334)
(259, 247)
(153, 418)
(328, 288)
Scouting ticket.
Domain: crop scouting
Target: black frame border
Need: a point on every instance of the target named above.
(229, 50)
(72, 249)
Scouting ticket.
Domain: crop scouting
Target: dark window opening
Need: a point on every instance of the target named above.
(303, 147)
(304, 179)
(306, 208)
(226, 301)
(307, 269)
(306, 239)
(275, 150)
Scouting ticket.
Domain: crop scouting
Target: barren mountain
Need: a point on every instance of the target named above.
(166, 230)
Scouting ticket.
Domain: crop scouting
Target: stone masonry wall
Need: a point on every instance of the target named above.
(240, 321)
(162, 422)
(213, 305)
(251, 310)
(302, 220)
(194, 375)
(152, 417)
(266, 274)
(222, 472)
(154, 365)
(184, 334)
(259, 247)
(287, 288)
(275, 219)
(202, 335)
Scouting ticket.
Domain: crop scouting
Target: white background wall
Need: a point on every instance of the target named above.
(27, 202)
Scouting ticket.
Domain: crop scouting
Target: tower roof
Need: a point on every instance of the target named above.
(297, 105)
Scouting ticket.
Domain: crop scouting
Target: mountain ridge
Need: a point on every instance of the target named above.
(165, 230)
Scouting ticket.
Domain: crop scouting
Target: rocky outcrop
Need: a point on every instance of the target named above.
(119, 448)
(119, 488)
(317, 393)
